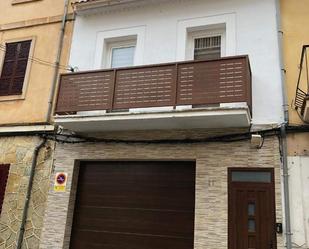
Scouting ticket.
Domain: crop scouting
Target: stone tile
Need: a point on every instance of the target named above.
(18, 152)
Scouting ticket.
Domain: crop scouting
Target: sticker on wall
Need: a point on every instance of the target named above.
(60, 182)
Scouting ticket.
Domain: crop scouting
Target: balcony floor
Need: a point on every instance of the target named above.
(197, 118)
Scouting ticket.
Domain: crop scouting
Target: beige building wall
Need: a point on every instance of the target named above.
(39, 20)
(21, 10)
(212, 163)
(295, 19)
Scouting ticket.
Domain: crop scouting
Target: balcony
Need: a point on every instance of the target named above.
(302, 90)
(184, 95)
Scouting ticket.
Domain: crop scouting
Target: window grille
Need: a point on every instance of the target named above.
(207, 48)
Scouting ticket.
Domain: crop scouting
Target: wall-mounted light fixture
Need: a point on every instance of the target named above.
(256, 141)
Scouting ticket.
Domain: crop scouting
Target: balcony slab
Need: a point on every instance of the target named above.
(197, 118)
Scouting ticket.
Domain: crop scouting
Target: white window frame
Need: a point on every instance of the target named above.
(118, 35)
(110, 45)
(203, 34)
(186, 26)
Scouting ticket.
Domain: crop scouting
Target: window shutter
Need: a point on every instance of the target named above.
(4, 173)
(14, 68)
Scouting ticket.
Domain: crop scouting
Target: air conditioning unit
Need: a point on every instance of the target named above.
(305, 109)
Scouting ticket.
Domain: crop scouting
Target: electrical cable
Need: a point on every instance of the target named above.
(46, 63)
(42, 62)
(75, 139)
(228, 138)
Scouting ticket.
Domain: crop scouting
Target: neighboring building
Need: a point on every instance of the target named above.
(171, 76)
(295, 18)
(29, 36)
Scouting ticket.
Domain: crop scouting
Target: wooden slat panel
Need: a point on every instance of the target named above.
(85, 92)
(135, 205)
(212, 82)
(145, 87)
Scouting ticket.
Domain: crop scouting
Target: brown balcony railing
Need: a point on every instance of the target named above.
(302, 89)
(185, 83)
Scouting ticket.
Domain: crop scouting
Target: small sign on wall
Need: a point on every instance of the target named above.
(60, 182)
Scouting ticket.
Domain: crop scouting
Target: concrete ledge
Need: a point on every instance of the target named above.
(214, 117)
(14, 2)
(26, 128)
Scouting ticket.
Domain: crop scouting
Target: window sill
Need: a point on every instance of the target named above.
(12, 98)
(14, 2)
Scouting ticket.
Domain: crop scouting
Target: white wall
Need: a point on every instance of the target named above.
(250, 29)
(299, 200)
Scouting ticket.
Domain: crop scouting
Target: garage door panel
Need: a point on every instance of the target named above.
(142, 198)
(134, 205)
(155, 222)
(135, 174)
(131, 183)
(93, 240)
(137, 187)
(130, 172)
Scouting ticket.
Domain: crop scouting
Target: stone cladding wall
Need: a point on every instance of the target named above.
(18, 152)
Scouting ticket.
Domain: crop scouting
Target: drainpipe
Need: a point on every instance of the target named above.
(28, 194)
(283, 140)
(285, 170)
(57, 63)
(282, 66)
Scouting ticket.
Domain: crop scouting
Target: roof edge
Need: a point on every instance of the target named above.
(81, 5)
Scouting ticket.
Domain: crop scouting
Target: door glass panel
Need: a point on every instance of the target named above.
(251, 176)
(251, 209)
(251, 225)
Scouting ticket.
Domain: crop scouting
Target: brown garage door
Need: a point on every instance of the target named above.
(134, 205)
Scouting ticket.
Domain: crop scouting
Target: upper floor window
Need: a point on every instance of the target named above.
(14, 67)
(206, 43)
(207, 48)
(119, 53)
(122, 56)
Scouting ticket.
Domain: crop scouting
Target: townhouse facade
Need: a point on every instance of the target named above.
(156, 124)
(30, 34)
(295, 46)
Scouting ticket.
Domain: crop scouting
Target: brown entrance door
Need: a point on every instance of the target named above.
(251, 209)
